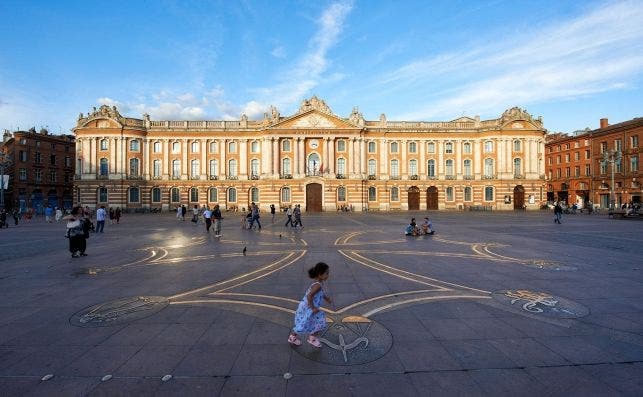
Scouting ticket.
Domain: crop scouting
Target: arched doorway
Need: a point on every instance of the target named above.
(519, 197)
(414, 198)
(37, 201)
(52, 198)
(313, 197)
(432, 198)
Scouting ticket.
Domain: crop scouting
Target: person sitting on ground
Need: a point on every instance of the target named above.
(412, 229)
(427, 226)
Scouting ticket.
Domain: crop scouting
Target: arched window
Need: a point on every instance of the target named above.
(195, 170)
(232, 168)
(176, 169)
(254, 167)
(341, 145)
(466, 148)
(104, 144)
(488, 193)
(104, 167)
(134, 145)
(254, 147)
(254, 194)
(213, 147)
(394, 147)
(371, 147)
(448, 148)
(176, 147)
(285, 166)
(232, 147)
(232, 195)
(517, 166)
(341, 193)
(516, 145)
(395, 168)
(285, 194)
(102, 195)
(430, 147)
(413, 167)
(213, 195)
(341, 166)
(133, 167)
(467, 167)
(157, 168)
(195, 147)
(488, 146)
(194, 195)
(156, 147)
(214, 168)
(467, 193)
(413, 147)
(156, 195)
(449, 193)
(395, 194)
(372, 167)
(285, 145)
(175, 195)
(449, 167)
(488, 168)
(372, 193)
(431, 169)
(133, 195)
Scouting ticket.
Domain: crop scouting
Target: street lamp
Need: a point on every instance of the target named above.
(5, 161)
(612, 156)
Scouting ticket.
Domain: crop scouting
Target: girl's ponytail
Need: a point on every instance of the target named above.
(317, 270)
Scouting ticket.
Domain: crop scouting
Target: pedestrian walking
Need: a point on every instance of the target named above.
(309, 318)
(100, 219)
(216, 215)
(178, 212)
(289, 215)
(112, 215)
(59, 214)
(558, 213)
(117, 214)
(272, 212)
(297, 214)
(207, 217)
(49, 213)
(3, 219)
(195, 215)
(76, 232)
(184, 210)
(16, 216)
(254, 210)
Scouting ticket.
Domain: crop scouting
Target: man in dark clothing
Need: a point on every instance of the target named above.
(558, 213)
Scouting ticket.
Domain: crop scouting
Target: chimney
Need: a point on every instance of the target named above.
(604, 123)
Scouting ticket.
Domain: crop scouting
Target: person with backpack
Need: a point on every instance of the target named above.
(76, 232)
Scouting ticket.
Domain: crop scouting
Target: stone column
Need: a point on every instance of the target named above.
(331, 156)
(223, 167)
(404, 167)
(457, 146)
(111, 169)
(266, 157)
(439, 166)
(184, 159)
(243, 159)
(422, 171)
(477, 158)
(146, 159)
(362, 158)
(384, 158)
(167, 164)
(276, 159)
(204, 157)
(123, 165)
(301, 157)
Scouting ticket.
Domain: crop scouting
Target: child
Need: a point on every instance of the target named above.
(309, 318)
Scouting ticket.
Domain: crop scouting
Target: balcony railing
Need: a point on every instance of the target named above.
(395, 177)
(77, 177)
(314, 173)
(467, 177)
(134, 177)
(488, 176)
(214, 177)
(519, 176)
(195, 177)
(254, 177)
(175, 177)
(285, 176)
(372, 177)
(103, 176)
(232, 177)
(340, 176)
(432, 177)
(449, 177)
(413, 177)
(157, 177)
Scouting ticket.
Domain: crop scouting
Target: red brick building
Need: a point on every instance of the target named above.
(41, 171)
(576, 171)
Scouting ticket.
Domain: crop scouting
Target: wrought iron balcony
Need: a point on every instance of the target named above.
(254, 177)
(77, 177)
(286, 176)
(519, 176)
(449, 177)
(157, 177)
(372, 177)
(467, 177)
(134, 177)
(432, 177)
(175, 177)
(414, 177)
(232, 177)
(214, 177)
(103, 176)
(340, 176)
(314, 173)
(195, 177)
(489, 176)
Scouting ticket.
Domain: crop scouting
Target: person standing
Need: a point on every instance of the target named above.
(184, 210)
(16, 216)
(297, 213)
(558, 213)
(289, 215)
(59, 214)
(112, 215)
(49, 212)
(100, 219)
(75, 232)
(117, 214)
(216, 214)
(207, 217)
(195, 214)
(272, 212)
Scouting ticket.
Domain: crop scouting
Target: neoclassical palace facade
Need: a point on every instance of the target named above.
(314, 158)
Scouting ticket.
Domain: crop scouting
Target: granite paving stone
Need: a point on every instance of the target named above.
(464, 312)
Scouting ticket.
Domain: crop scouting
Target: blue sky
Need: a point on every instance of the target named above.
(571, 62)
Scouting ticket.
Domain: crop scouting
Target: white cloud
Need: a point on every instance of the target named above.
(596, 52)
(278, 52)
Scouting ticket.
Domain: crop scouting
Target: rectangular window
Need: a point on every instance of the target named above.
(577, 171)
(588, 170)
(285, 145)
(134, 146)
(156, 147)
(567, 172)
(488, 146)
(52, 176)
(133, 195)
(603, 147)
(23, 156)
(488, 193)
(634, 163)
(52, 159)
(448, 148)
(232, 147)
(466, 148)
(577, 156)
(341, 145)
(67, 161)
(213, 147)
(37, 158)
(617, 144)
(634, 141)
(412, 147)
(558, 159)
(23, 174)
(103, 144)
(586, 154)
(430, 147)
(558, 174)
(371, 147)
(254, 147)
(38, 175)
(619, 165)
(567, 158)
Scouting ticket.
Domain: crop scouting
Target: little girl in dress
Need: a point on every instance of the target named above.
(309, 318)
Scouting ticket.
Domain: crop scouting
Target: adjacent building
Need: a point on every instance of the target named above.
(41, 169)
(597, 166)
(314, 158)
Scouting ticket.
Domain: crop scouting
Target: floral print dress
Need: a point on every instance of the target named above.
(306, 321)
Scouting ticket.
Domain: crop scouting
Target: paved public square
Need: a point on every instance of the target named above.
(493, 304)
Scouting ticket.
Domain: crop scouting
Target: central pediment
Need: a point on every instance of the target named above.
(314, 120)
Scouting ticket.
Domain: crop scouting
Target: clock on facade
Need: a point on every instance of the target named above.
(314, 144)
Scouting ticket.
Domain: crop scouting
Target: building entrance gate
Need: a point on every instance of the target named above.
(314, 197)
(432, 198)
(414, 198)
(519, 197)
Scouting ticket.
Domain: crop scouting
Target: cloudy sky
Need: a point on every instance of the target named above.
(571, 62)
